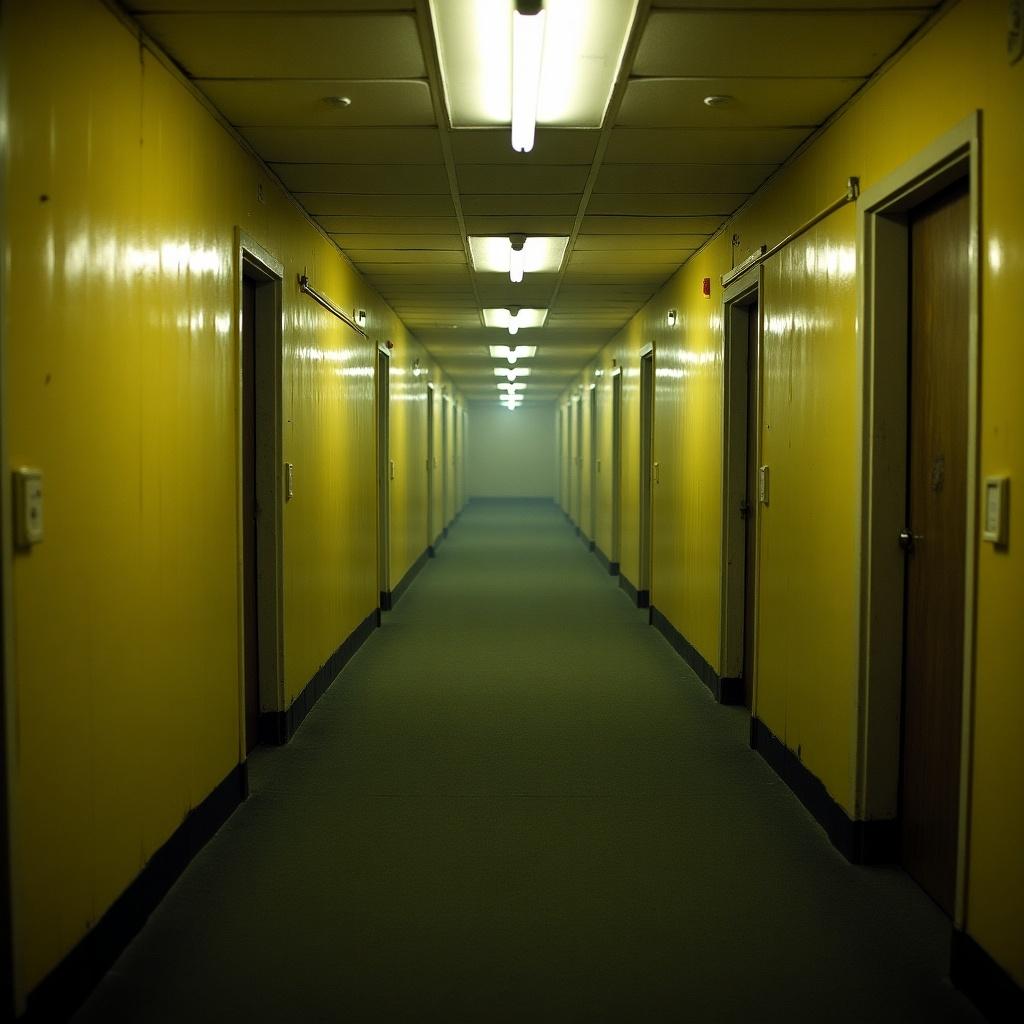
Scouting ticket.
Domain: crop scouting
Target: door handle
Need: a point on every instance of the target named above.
(908, 540)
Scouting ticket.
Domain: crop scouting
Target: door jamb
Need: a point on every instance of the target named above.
(882, 346)
(383, 482)
(263, 265)
(738, 294)
(645, 572)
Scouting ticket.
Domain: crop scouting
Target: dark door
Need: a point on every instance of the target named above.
(646, 469)
(616, 466)
(937, 522)
(752, 505)
(249, 568)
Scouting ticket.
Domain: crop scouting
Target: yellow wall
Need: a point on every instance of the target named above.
(809, 580)
(123, 197)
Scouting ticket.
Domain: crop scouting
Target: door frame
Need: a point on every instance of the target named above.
(382, 423)
(430, 469)
(882, 344)
(615, 554)
(645, 542)
(592, 469)
(736, 298)
(254, 261)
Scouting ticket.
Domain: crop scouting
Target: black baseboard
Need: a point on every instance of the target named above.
(860, 842)
(612, 567)
(278, 727)
(725, 691)
(67, 986)
(641, 598)
(391, 597)
(984, 982)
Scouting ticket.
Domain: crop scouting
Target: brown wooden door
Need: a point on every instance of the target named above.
(750, 531)
(250, 617)
(937, 520)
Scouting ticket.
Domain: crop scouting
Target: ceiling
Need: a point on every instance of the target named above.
(400, 190)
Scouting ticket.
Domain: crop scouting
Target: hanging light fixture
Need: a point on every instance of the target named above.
(513, 319)
(528, 22)
(516, 261)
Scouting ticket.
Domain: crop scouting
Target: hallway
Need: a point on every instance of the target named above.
(517, 803)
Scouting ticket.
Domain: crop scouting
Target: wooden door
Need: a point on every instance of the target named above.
(936, 547)
(383, 480)
(646, 469)
(751, 507)
(250, 616)
(615, 553)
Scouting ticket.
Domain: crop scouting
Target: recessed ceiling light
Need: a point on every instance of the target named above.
(514, 319)
(338, 101)
(717, 101)
(512, 353)
(541, 253)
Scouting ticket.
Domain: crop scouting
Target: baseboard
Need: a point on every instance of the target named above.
(403, 585)
(641, 598)
(68, 985)
(860, 842)
(725, 690)
(278, 727)
(612, 567)
(984, 982)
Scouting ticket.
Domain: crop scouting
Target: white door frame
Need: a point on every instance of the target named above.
(883, 248)
(254, 261)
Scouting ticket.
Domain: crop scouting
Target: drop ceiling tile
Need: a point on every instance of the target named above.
(502, 179)
(389, 225)
(553, 146)
(283, 45)
(521, 224)
(763, 43)
(402, 241)
(665, 204)
(642, 276)
(615, 243)
(385, 207)
(372, 259)
(301, 103)
(382, 179)
(651, 225)
(521, 205)
(702, 178)
(413, 274)
(756, 102)
(703, 145)
(618, 257)
(347, 145)
(202, 6)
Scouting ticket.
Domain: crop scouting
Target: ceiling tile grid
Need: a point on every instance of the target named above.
(343, 100)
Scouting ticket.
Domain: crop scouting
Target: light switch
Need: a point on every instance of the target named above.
(762, 485)
(997, 492)
(28, 507)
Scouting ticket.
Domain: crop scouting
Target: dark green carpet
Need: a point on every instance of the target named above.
(516, 804)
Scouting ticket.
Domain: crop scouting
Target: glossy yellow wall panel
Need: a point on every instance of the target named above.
(809, 583)
(124, 194)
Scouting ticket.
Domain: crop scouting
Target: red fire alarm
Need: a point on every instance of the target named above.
(706, 286)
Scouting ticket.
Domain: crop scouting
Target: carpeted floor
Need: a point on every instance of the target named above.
(518, 804)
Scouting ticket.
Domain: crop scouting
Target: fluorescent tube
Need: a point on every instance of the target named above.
(527, 51)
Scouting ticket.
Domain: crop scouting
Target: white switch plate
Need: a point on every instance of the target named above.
(762, 485)
(28, 507)
(995, 526)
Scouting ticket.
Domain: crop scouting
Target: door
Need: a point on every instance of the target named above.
(444, 466)
(592, 468)
(615, 554)
(430, 469)
(250, 601)
(646, 449)
(751, 504)
(935, 541)
(577, 463)
(383, 479)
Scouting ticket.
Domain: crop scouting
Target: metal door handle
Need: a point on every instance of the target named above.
(908, 540)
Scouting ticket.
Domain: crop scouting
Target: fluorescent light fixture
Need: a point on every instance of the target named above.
(583, 46)
(529, 19)
(512, 353)
(511, 404)
(516, 262)
(515, 317)
(673, 316)
(511, 373)
(511, 388)
(494, 253)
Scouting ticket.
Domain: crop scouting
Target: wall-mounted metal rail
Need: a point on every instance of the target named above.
(317, 296)
(849, 196)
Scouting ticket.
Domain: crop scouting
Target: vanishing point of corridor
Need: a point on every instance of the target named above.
(517, 803)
